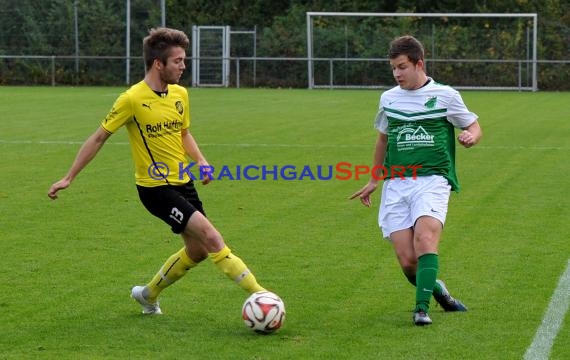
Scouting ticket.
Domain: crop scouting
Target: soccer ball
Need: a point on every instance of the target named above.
(263, 312)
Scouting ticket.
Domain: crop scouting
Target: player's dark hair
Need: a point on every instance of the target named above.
(407, 45)
(158, 43)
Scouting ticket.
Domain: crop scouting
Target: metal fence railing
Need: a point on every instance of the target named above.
(275, 72)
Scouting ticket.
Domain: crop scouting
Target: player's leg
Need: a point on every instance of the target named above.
(403, 244)
(395, 219)
(200, 229)
(429, 203)
(428, 208)
(427, 232)
(166, 203)
(175, 267)
(426, 240)
(408, 262)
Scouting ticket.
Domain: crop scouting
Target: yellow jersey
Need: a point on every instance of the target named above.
(154, 123)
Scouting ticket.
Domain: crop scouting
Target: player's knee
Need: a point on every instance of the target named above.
(213, 240)
(426, 240)
(201, 229)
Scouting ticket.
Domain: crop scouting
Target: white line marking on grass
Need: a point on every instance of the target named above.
(521, 147)
(72, 142)
(293, 145)
(63, 142)
(552, 321)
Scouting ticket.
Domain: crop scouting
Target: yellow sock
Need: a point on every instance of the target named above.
(173, 269)
(236, 270)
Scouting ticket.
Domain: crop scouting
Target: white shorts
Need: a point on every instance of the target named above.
(404, 201)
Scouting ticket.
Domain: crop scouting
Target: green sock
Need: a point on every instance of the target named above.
(425, 279)
(437, 290)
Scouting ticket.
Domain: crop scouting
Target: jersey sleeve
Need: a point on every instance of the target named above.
(119, 115)
(381, 121)
(458, 114)
(186, 120)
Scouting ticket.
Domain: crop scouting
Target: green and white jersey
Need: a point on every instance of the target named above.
(420, 127)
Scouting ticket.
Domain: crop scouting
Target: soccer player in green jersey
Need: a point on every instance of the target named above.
(156, 114)
(416, 125)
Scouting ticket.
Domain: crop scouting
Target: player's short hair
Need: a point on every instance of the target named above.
(158, 43)
(407, 45)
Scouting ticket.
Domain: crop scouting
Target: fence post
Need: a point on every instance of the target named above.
(53, 70)
(331, 73)
(520, 75)
(237, 73)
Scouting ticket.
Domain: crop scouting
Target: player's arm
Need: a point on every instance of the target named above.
(470, 135)
(191, 148)
(379, 155)
(86, 153)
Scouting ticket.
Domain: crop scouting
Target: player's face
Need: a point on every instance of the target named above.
(407, 74)
(171, 72)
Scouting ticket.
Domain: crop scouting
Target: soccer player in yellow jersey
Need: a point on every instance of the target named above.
(156, 114)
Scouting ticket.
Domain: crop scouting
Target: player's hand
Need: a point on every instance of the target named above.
(364, 193)
(466, 139)
(205, 172)
(60, 185)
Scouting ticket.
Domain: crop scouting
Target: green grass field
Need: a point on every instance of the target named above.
(68, 265)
